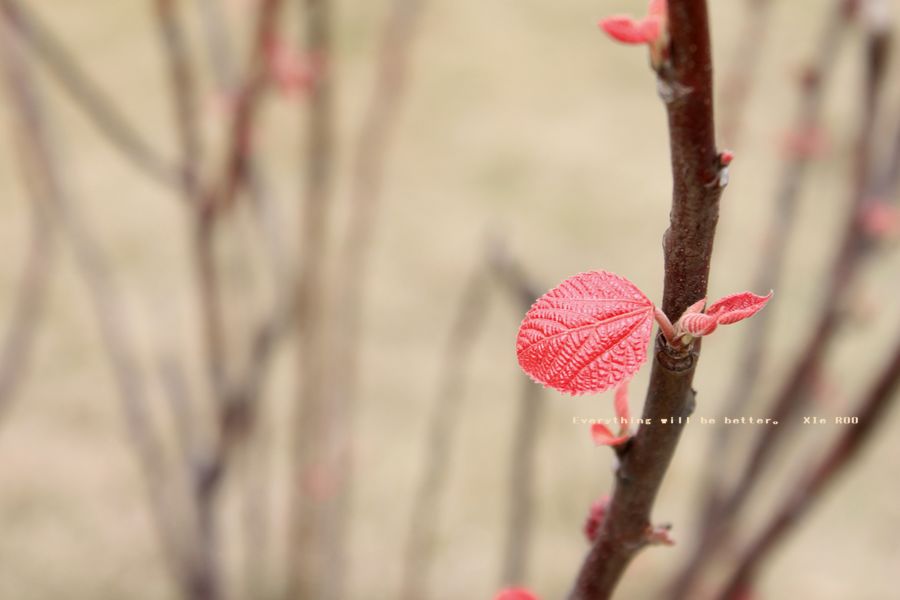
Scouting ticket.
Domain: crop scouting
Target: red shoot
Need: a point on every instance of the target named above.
(515, 594)
(292, 73)
(807, 143)
(587, 335)
(880, 220)
(595, 518)
(650, 30)
(737, 307)
(730, 309)
(601, 433)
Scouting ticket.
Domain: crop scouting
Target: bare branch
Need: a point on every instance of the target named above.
(38, 148)
(441, 436)
(772, 264)
(794, 393)
(371, 154)
(825, 473)
(184, 94)
(511, 276)
(88, 96)
(28, 304)
(309, 533)
(741, 76)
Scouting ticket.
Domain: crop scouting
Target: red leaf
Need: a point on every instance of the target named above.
(604, 437)
(624, 29)
(737, 307)
(588, 334)
(515, 594)
(697, 324)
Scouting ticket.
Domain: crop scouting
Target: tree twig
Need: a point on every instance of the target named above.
(824, 474)
(793, 394)
(742, 71)
(371, 153)
(38, 148)
(523, 291)
(686, 86)
(441, 435)
(28, 305)
(88, 96)
(770, 267)
(308, 532)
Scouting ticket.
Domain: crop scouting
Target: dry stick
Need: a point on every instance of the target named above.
(686, 86)
(37, 147)
(743, 69)
(379, 123)
(221, 54)
(235, 400)
(88, 96)
(793, 394)
(184, 91)
(306, 559)
(774, 251)
(520, 518)
(256, 497)
(218, 42)
(440, 437)
(811, 489)
(205, 569)
(27, 308)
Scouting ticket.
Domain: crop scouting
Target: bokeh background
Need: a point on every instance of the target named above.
(521, 118)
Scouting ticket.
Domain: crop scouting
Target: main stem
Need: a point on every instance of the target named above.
(685, 83)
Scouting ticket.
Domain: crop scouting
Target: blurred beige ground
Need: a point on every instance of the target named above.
(521, 116)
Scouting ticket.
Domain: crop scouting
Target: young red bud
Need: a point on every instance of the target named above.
(807, 143)
(604, 437)
(659, 535)
(515, 594)
(595, 517)
(880, 220)
(624, 29)
(696, 324)
(726, 157)
(737, 307)
(650, 30)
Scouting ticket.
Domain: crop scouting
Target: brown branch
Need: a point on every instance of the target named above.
(308, 533)
(88, 96)
(183, 84)
(742, 71)
(520, 521)
(371, 154)
(686, 86)
(240, 145)
(235, 400)
(795, 391)
(811, 489)
(37, 147)
(28, 305)
(205, 574)
(441, 434)
(218, 43)
(772, 263)
(221, 54)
